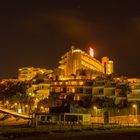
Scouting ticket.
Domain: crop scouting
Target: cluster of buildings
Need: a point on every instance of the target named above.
(76, 73)
(81, 74)
(72, 63)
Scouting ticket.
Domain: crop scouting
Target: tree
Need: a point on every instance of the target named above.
(15, 92)
(121, 93)
(53, 98)
(69, 99)
(86, 101)
(104, 102)
(43, 102)
(23, 100)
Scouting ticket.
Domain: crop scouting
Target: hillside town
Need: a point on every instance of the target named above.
(81, 90)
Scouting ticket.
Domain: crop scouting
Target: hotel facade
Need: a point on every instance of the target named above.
(76, 59)
(27, 73)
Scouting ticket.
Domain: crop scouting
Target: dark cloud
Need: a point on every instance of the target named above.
(70, 26)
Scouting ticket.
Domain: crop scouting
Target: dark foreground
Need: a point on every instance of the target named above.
(112, 135)
(108, 134)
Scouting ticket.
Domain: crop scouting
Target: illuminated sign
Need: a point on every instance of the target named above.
(91, 52)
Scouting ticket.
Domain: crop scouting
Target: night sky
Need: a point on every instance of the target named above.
(37, 33)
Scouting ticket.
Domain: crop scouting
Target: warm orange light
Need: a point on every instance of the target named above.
(41, 107)
(134, 106)
(95, 107)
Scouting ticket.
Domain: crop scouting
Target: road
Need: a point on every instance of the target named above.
(114, 134)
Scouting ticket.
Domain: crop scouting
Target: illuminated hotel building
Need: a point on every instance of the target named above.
(108, 65)
(27, 73)
(76, 59)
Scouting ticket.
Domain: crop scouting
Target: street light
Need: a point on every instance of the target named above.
(96, 109)
(136, 112)
(7, 102)
(42, 108)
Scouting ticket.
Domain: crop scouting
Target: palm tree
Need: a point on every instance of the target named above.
(23, 100)
(15, 92)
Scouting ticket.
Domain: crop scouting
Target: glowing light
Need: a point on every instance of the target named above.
(136, 113)
(134, 106)
(41, 107)
(91, 51)
(7, 102)
(19, 110)
(95, 107)
(77, 50)
(36, 100)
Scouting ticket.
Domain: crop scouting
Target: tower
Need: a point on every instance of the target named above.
(108, 65)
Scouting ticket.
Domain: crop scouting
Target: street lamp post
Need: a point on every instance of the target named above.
(136, 112)
(96, 110)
